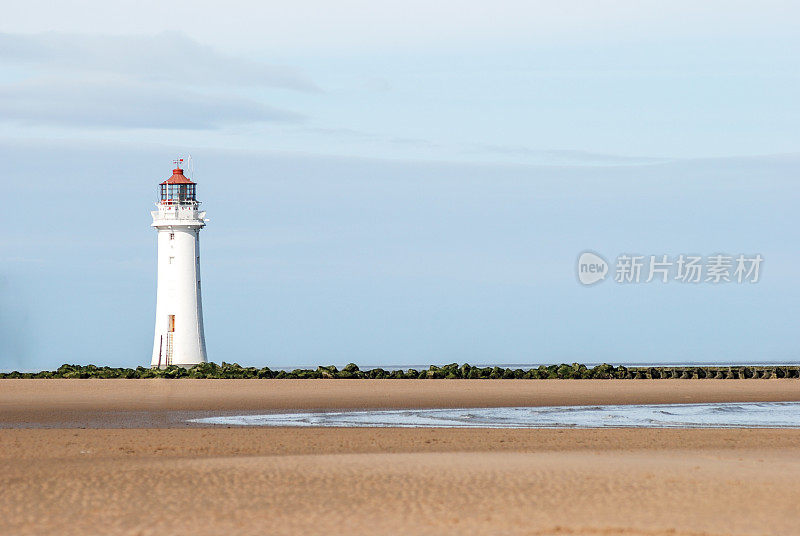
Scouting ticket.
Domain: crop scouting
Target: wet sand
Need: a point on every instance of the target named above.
(146, 473)
(165, 403)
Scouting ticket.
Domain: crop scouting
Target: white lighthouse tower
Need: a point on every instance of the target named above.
(179, 337)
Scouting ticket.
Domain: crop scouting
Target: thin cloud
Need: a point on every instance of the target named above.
(168, 57)
(561, 156)
(121, 103)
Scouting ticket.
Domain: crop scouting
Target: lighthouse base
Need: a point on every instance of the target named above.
(164, 367)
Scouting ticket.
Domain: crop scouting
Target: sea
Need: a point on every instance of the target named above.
(715, 415)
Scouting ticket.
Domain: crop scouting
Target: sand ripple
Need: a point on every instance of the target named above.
(575, 492)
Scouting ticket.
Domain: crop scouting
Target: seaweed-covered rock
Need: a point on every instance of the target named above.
(603, 371)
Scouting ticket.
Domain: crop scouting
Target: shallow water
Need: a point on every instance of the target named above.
(733, 415)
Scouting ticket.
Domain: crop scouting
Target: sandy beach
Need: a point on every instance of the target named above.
(116, 457)
(164, 403)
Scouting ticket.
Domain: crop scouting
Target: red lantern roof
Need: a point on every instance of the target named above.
(177, 178)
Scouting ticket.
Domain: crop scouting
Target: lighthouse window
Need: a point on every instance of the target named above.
(178, 193)
(171, 260)
(172, 236)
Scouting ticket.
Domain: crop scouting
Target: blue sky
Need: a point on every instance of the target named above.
(400, 182)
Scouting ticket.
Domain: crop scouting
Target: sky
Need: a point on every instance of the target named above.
(401, 182)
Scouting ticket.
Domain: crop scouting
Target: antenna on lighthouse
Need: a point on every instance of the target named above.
(190, 167)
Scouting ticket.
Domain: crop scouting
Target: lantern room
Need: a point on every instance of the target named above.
(177, 190)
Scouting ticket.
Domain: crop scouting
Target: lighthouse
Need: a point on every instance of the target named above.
(179, 337)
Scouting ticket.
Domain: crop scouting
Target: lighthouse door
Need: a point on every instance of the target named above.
(170, 333)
